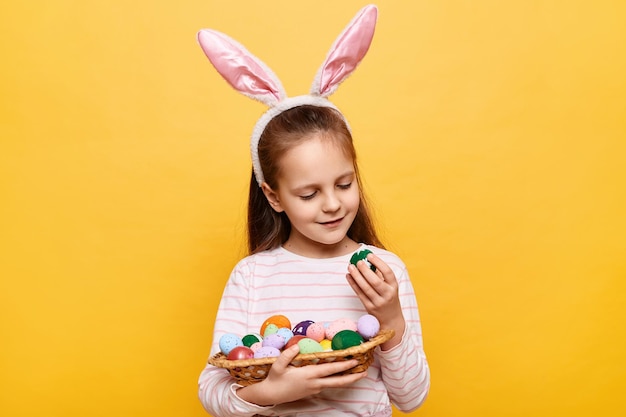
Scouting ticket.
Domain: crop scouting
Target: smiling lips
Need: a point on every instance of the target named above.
(332, 222)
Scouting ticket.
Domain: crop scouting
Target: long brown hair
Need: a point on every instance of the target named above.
(268, 229)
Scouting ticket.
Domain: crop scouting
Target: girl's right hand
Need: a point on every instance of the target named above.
(286, 383)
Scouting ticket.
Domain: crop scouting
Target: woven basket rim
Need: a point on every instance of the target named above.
(220, 360)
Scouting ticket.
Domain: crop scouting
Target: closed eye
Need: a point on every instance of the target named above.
(308, 196)
(344, 186)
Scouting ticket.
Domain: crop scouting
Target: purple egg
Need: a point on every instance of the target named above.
(300, 328)
(368, 326)
(266, 352)
(274, 340)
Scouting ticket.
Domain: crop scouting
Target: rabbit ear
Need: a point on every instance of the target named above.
(242, 70)
(346, 53)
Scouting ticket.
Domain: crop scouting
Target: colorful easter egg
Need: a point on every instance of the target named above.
(326, 344)
(309, 346)
(279, 320)
(362, 256)
(316, 331)
(339, 325)
(228, 342)
(270, 329)
(240, 352)
(250, 339)
(256, 346)
(368, 326)
(294, 340)
(274, 340)
(301, 327)
(286, 333)
(266, 352)
(345, 339)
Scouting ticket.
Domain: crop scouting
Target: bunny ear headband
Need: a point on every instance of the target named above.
(251, 77)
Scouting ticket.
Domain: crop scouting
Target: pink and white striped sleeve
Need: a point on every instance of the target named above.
(216, 387)
(404, 368)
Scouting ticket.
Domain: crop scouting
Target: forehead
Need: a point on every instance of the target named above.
(318, 158)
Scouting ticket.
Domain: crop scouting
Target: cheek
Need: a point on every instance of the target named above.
(354, 200)
(297, 210)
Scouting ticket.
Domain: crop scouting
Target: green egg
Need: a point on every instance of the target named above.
(362, 256)
(250, 339)
(309, 346)
(345, 339)
(270, 329)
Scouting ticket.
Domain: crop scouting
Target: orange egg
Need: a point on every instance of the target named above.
(279, 320)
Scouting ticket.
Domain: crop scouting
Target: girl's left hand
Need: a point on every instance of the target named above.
(378, 292)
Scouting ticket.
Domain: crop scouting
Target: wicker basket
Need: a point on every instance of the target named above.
(250, 371)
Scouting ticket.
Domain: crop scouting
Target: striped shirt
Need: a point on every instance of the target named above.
(280, 282)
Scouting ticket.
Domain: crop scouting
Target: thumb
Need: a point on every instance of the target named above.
(286, 357)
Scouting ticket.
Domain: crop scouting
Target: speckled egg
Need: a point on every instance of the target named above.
(309, 346)
(250, 339)
(339, 325)
(345, 339)
(270, 329)
(228, 342)
(279, 320)
(368, 326)
(285, 333)
(274, 340)
(316, 331)
(266, 352)
(256, 346)
(301, 327)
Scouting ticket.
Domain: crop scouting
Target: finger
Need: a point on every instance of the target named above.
(382, 267)
(365, 300)
(342, 380)
(332, 368)
(286, 357)
(366, 271)
(370, 283)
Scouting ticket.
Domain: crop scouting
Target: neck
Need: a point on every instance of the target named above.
(319, 250)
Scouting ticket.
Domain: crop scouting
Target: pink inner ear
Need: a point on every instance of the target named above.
(242, 70)
(348, 50)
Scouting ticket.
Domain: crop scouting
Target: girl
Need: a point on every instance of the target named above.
(306, 217)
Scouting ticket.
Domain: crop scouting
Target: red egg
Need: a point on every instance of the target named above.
(240, 352)
(294, 340)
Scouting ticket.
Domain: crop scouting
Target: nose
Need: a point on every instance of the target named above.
(331, 203)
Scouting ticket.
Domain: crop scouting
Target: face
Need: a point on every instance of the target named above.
(318, 191)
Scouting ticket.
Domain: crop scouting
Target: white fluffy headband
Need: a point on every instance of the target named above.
(251, 77)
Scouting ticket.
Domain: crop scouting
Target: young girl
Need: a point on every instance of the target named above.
(306, 216)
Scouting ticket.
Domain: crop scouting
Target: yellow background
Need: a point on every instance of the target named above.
(492, 139)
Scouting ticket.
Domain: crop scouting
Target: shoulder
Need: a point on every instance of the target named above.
(269, 258)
